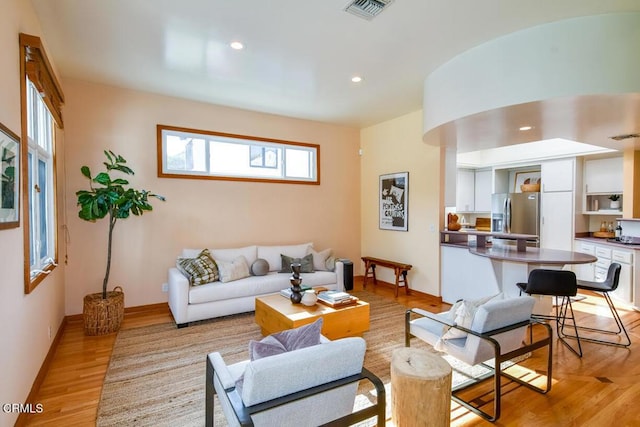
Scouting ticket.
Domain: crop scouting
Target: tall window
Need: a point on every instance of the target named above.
(41, 103)
(42, 219)
(188, 153)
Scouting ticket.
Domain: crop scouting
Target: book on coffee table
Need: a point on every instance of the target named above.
(336, 298)
(287, 292)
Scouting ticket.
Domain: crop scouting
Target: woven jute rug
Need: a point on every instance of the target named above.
(156, 376)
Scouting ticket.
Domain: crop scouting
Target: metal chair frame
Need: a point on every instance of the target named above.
(563, 307)
(244, 413)
(610, 284)
(495, 371)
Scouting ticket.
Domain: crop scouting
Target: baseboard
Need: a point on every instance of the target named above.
(46, 364)
(359, 280)
(127, 310)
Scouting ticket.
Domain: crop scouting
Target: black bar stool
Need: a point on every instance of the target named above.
(610, 284)
(562, 285)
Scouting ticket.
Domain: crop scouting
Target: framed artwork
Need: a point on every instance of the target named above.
(394, 197)
(532, 177)
(9, 178)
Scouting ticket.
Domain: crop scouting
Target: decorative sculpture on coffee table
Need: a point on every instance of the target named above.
(296, 290)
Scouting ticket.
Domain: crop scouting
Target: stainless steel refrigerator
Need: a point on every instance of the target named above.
(515, 213)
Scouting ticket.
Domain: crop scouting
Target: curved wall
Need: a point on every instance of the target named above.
(591, 55)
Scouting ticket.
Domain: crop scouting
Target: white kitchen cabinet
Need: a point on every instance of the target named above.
(483, 191)
(585, 271)
(624, 292)
(603, 176)
(465, 190)
(557, 175)
(598, 270)
(556, 220)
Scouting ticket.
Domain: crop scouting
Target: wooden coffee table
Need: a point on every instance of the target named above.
(275, 313)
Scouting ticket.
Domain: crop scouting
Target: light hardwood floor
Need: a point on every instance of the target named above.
(602, 388)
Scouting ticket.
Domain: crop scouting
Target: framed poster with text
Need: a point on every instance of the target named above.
(394, 197)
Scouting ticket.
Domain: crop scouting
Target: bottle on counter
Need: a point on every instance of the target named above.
(618, 231)
(603, 226)
(610, 228)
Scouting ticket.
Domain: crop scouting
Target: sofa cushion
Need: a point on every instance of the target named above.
(272, 253)
(260, 267)
(287, 340)
(306, 263)
(255, 285)
(199, 270)
(235, 270)
(320, 259)
(248, 252)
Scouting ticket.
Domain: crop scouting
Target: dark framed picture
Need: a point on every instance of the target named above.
(9, 178)
(394, 197)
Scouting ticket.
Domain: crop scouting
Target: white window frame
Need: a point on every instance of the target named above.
(275, 169)
(40, 140)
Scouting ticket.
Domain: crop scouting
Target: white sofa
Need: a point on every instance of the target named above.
(192, 303)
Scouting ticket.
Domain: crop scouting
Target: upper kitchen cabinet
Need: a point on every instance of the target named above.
(473, 190)
(483, 190)
(557, 175)
(465, 190)
(603, 176)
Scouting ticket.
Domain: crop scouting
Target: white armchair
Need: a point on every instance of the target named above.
(306, 387)
(497, 331)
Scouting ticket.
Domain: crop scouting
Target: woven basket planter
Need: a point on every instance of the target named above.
(103, 316)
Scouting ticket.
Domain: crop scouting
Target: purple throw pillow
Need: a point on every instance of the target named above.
(289, 340)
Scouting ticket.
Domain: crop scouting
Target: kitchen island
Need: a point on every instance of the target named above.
(472, 269)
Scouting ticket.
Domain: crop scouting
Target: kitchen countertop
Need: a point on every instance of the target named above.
(460, 236)
(534, 255)
(607, 242)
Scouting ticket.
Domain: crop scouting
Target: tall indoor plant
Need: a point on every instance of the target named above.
(112, 198)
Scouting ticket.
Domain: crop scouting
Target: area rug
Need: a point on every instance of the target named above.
(156, 375)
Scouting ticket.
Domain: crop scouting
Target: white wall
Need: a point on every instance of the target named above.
(396, 146)
(24, 319)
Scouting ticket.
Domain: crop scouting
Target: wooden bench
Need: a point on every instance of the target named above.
(399, 268)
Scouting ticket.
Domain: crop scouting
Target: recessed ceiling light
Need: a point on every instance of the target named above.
(236, 45)
(356, 79)
(526, 128)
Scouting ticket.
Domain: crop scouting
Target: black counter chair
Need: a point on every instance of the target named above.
(562, 285)
(610, 284)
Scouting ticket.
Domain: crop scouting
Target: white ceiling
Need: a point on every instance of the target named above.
(299, 55)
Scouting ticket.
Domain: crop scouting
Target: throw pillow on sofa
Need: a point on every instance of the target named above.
(272, 253)
(260, 267)
(306, 263)
(320, 258)
(199, 270)
(235, 270)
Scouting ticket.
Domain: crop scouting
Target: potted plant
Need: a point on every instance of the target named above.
(615, 201)
(109, 197)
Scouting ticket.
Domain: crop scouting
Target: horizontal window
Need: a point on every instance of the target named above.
(189, 153)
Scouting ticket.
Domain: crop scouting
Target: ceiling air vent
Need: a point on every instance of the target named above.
(367, 9)
(626, 136)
